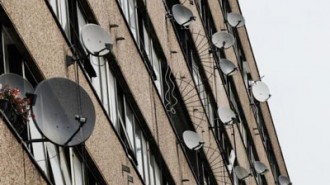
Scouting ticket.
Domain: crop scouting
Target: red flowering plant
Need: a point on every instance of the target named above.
(21, 106)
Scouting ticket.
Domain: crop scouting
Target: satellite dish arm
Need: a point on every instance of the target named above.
(82, 121)
(107, 47)
(192, 18)
(239, 22)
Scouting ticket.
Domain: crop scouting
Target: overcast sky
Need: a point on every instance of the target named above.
(291, 44)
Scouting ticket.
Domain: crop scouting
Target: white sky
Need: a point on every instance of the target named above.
(291, 44)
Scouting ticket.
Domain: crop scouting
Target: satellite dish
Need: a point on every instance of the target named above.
(16, 81)
(241, 172)
(192, 140)
(260, 167)
(283, 180)
(96, 40)
(226, 115)
(182, 15)
(64, 113)
(223, 39)
(227, 67)
(260, 91)
(235, 20)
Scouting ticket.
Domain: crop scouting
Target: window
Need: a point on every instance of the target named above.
(154, 60)
(206, 16)
(205, 98)
(129, 8)
(136, 142)
(60, 9)
(63, 165)
(12, 60)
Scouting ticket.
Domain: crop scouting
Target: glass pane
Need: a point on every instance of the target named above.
(129, 120)
(53, 4)
(151, 169)
(38, 147)
(124, 7)
(53, 157)
(133, 19)
(139, 154)
(158, 174)
(65, 167)
(77, 169)
(81, 19)
(112, 95)
(11, 56)
(64, 16)
(104, 84)
(145, 160)
(146, 40)
(96, 81)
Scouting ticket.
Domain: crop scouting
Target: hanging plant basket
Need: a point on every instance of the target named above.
(15, 107)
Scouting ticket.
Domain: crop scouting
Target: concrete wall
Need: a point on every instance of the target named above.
(16, 167)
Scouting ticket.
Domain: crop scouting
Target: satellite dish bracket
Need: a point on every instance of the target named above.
(107, 46)
(82, 121)
(192, 18)
(69, 60)
(36, 140)
(119, 39)
(168, 15)
(239, 22)
(248, 175)
(233, 71)
(199, 145)
(251, 82)
(114, 26)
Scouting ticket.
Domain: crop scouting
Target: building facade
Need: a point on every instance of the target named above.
(159, 89)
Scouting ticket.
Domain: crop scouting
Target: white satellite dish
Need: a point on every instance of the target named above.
(11, 80)
(226, 115)
(235, 20)
(192, 140)
(182, 15)
(223, 39)
(96, 40)
(284, 180)
(227, 67)
(260, 167)
(260, 91)
(241, 172)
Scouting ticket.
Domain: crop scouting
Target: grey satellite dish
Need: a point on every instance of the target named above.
(235, 20)
(226, 115)
(260, 167)
(223, 39)
(227, 67)
(260, 91)
(64, 113)
(241, 172)
(182, 15)
(192, 140)
(283, 180)
(11, 81)
(96, 40)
